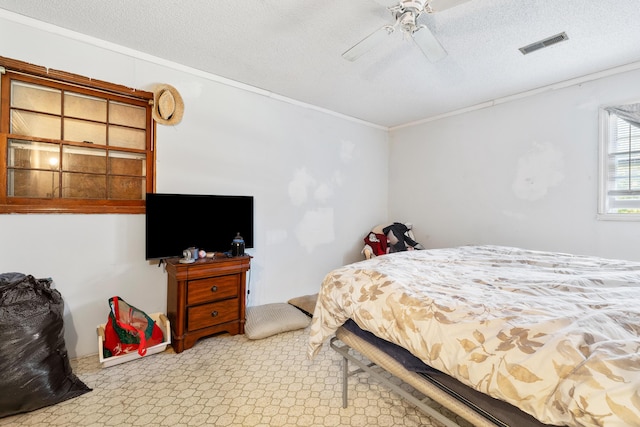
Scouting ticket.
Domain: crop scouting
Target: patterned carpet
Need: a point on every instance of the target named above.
(226, 381)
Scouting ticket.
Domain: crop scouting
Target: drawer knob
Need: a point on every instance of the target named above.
(214, 288)
(214, 313)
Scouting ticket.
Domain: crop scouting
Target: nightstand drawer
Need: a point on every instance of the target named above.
(212, 289)
(212, 314)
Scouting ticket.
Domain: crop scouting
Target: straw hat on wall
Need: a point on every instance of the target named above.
(168, 106)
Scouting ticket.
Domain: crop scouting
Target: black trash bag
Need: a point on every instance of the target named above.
(34, 366)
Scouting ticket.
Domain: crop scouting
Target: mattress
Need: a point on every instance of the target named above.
(556, 335)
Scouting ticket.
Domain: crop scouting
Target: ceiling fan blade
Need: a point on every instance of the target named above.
(428, 44)
(366, 44)
(440, 5)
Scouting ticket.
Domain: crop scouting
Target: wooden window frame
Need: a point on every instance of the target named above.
(11, 69)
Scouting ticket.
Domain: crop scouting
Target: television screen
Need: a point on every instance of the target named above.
(175, 222)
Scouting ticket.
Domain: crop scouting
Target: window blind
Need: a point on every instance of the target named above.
(623, 175)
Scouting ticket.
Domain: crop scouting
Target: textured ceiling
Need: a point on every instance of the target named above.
(293, 47)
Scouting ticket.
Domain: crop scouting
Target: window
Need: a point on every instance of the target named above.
(620, 162)
(70, 144)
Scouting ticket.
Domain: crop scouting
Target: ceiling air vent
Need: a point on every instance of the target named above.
(544, 43)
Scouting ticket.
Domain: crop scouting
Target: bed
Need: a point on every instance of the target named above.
(555, 335)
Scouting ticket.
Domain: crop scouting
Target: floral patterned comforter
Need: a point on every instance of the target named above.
(556, 335)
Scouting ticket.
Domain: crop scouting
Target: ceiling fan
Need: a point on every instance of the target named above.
(406, 14)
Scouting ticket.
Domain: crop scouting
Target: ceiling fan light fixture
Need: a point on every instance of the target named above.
(407, 22)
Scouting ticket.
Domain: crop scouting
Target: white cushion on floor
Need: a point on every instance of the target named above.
(270, 319)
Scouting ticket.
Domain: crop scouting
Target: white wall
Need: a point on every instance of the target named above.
(522, 173)
(319, 182)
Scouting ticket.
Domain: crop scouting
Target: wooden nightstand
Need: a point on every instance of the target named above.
(205, 298)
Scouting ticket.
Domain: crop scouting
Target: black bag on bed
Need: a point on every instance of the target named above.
(34, 367)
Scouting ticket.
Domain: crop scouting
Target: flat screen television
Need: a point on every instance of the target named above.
(175, 222)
